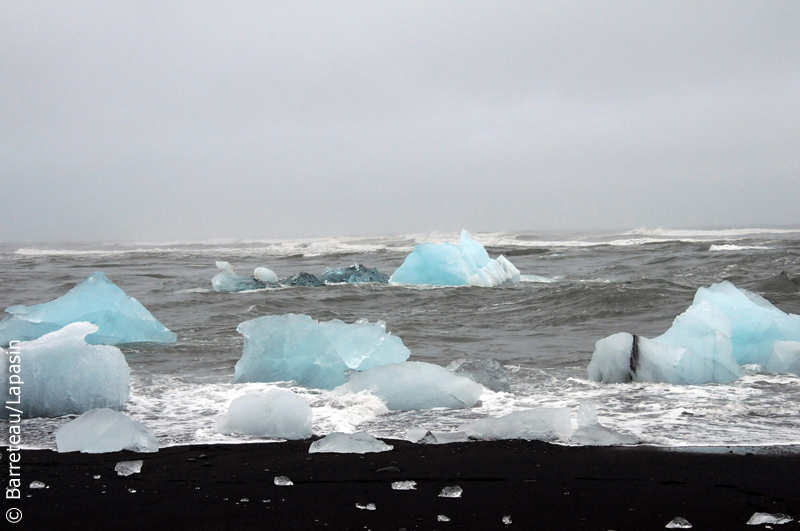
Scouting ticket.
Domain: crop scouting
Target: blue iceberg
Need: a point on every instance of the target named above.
(227, 281)
(354, 274)
(722, 330)
(297, 347)
(119, 318)
(63, 375)
(414, 385)
(446, 264)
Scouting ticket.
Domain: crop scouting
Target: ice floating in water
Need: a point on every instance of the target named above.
(678, 523)
(591, 433)
(446, 264)
(543, 424)
(354, 274)
(102, 430)
(276, 413)
(296, 347)
(785, 357)
(302, 279)
(486, 371)
(120, 318)
(63, 374)
(722, 330)
(127, 468)
(265, 275)
(414, 385)
(451, 492)
(283, 481)
(404, 485)
(767, 518)
(349, 443)
(227, 281)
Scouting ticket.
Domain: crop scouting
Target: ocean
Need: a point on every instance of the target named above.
(578, 288)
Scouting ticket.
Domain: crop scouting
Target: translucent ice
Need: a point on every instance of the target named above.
(486, 371)
(423, 436)
(296, 347)
(349, 443)
(354, 274)
(404, 485)
(446, 264)
(103, 430)
(265, 275)
(767, 518)
(62, 374)
(784, 357)
(591, 433)
(227, 281)
(451, 492)
(276, 413)
(722, 330)
(302, 279)
(414, 385)
(283, 481)
(367, 507)
(544, 424)
(37, 485)
(128, 468)
(678, 523)
(120, 318)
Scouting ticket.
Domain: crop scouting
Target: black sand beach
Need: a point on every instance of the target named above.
(537, 485)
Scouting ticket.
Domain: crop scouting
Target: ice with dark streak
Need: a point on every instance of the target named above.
(119, 318)
(65, 375)
(313, 354)
(103, 430)
(724, 329)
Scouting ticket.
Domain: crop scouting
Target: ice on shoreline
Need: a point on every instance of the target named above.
(102, 431)
(349, 443)
(447, 264)
(276, 413)
(119, 318)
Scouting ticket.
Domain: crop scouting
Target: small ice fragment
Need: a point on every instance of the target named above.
(97, 476)
(368, 507)
(451, 492)
(132, 491)
(244, 500)
(354, 274)
(126, 468)
(404, 485)
(283, 481)
(349, 443)
(265, 275)
(507, 519)
(679, 523)
(767, 518)
(442, 518)
(37, 485)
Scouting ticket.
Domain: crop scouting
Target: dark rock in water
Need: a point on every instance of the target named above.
(354, 274)
(302, 279)
(485, 371)
(781, 283)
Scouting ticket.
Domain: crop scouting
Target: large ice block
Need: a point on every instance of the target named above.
(120, 318)
(349, 443)
(446, 264)
(722, 330)
(276, 413)
(414, 385)
(62, 374)
(543, 424)
(102, 430)
(316, 354)
(486, 371)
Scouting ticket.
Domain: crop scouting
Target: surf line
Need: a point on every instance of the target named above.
(14, 419)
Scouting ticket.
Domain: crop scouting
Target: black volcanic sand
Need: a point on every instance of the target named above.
(540, 486)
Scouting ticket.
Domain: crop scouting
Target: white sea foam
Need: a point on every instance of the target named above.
(731, 247)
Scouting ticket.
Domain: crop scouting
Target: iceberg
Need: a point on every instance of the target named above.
(303, 280)
(103, 430)
(486, 371)
(276, 413)
(354, 274)
(63, 375)
(591, 433)
(543, 424)
(414, 385)
(349, 443)
(227, 281)
(447, 264)
(784, 357)
(724, 329)
(265, 275)
(119, 318)
(297, 347)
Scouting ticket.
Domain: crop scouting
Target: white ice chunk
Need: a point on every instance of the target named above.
(276, 413)
(296, 347)
(283, 481)
(486, 371)
(544, 424)
(349, 443)
(442, 518)
(446, 264)
(507, 519)
(767, 518)
(414, 385)
(784, 357)
(227, 281)
(451, 492)
(120, 318)
(127, 468)
(367, 507)
(678, 523)
(404, 485)
(265, 275)
(37, 485)
(63, 375)
(103, 430)
(591, 433)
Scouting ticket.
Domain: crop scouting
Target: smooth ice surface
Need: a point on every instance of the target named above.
(354, 274)
(227, 281)
(349, 443)
(276, 413)
(127, 468)
(451, 492)
(119, 318)
(591, 433)
(678, 523)
(414, 385)
(103, 430)
(265, 275)
(316, 354)
(447, 264)
(543, 424)
(784, 357)
(722, 330)
(62, 374)
(486, 371)
(767, 518)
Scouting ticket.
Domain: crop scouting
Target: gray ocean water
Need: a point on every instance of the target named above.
(581, 288)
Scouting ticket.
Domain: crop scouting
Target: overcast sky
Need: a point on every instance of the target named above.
(161, 120)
